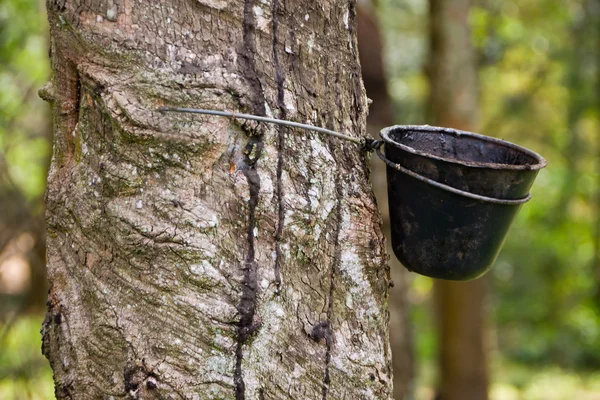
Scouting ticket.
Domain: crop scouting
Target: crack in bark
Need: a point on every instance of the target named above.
(247, 59)
(66, 106)
(247, 306)
(280, 79)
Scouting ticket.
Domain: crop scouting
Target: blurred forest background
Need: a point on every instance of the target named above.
(537, 83)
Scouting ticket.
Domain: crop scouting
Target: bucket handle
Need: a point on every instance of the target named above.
(451, 189)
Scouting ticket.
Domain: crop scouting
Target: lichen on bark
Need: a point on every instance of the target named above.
(193, 257)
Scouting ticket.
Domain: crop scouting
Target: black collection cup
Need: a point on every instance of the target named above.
(453, 196)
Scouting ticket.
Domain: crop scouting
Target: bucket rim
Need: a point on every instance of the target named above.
(541, 161)
(451, 189)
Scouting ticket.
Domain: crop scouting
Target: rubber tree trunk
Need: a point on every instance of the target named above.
(199, 257)
(460, 305)
(370, 45)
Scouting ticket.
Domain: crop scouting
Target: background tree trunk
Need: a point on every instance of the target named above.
(370, 45)
(460, 305)
(203, 258)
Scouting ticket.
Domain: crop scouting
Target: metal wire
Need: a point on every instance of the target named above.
(361, 141)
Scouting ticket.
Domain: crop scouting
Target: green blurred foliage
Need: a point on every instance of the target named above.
(540, 88)
(25, 133)
(24, 372)
(516, 381)
(539, 78)
(24, 118)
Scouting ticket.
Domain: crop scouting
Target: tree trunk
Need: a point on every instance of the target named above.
(460, 305)
(370, 45)
(200, 257)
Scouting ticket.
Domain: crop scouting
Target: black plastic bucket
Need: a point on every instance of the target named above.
(464, 160)
(443, 232)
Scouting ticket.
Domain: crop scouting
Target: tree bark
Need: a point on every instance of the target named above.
(199, 257)
(459, 305)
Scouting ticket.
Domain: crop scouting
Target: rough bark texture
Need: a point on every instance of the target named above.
(370, 45)
(203, 258)
(460, 305)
